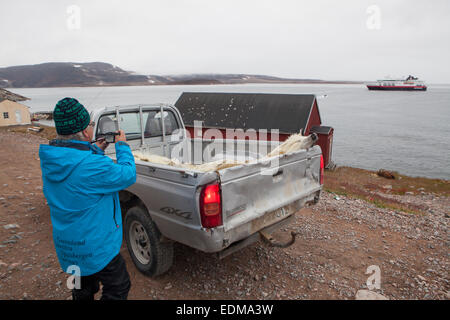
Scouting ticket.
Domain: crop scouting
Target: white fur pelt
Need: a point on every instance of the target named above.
(294, 143)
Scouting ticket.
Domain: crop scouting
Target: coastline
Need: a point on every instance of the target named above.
(188, 83)
(338, 179)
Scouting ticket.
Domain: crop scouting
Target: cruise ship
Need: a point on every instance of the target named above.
(410, 83)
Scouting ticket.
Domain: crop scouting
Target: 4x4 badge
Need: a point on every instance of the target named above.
(178, 213)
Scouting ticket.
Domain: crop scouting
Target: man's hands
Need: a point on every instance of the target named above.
(121, 136)
(102, 144)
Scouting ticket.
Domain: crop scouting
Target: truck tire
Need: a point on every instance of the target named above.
(151, 256)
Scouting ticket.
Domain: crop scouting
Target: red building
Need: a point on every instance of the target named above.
(289, 113)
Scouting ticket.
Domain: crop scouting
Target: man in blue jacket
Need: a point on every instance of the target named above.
(81, 186)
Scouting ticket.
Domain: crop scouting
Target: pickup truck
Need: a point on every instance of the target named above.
(218, 211)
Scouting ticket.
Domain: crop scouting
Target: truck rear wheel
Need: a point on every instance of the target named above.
(151, 256)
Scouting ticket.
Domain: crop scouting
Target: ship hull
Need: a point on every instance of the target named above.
(398, 88)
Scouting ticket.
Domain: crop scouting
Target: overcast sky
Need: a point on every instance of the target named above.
(335, 40)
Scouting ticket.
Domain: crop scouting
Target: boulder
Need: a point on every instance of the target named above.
(385, 174)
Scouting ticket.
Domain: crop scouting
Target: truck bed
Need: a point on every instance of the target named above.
(254, 196)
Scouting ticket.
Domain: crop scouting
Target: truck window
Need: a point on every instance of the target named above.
(129, 122)
(153, 125)
(107, 124)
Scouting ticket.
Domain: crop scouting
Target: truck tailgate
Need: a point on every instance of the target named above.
(261, 193)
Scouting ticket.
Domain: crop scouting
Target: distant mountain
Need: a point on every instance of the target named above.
(65, 74)
(92, 74)
(214, 78)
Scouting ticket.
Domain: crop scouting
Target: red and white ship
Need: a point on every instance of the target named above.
(411, 84)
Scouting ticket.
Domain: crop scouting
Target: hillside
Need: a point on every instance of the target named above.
(73, 74)
(66, 74)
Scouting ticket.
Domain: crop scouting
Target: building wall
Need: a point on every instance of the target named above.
(11, 108)
(326, 144)
(314, 119)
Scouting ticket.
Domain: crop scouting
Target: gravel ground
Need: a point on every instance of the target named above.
(338, 240)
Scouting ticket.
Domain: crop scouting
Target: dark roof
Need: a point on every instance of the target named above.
(8, 95)
(287, 112)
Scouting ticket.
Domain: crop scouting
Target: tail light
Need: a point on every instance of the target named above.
(211, 206)
(321, 169)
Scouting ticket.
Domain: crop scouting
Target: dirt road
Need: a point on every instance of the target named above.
(338, 240)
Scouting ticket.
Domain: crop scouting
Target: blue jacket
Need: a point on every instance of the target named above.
(81, 185)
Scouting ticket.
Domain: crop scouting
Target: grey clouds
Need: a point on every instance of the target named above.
(325, 39)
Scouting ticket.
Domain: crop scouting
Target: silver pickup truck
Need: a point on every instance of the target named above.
(218, 211)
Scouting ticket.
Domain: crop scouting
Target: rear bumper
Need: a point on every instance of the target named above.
(269, 219)
(216, 239)
(236, 246)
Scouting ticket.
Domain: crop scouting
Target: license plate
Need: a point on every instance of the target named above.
(271, 218)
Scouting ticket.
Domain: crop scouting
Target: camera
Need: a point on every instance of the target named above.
(109, 137)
